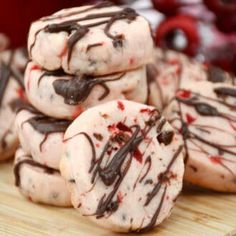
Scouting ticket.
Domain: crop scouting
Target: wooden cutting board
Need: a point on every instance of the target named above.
(198, 213)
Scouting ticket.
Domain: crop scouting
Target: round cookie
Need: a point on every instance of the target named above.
(11, 90)
(93, 40)
(204, 114)
(40, 136)
(172, 71)
(124, 166)
(65, 96)
(39, 183)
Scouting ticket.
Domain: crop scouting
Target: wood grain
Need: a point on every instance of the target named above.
(198, 213)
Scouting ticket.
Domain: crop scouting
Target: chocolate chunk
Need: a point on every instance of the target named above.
(99, 137)
(165, 137)
(206, 110)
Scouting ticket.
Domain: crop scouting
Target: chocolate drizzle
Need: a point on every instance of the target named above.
(7, 70)
(155, 216)
(47, 125)
(113, 169)
(205, 109)
(148, 162)
(56, 73)
(32, 163)
(224, 91)
(103, 4)
(158, 185)
(76, 31)
(93, 46)
(76, 90)
(18, 105)
(5, 74)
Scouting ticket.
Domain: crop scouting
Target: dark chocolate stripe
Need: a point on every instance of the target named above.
(5, 74)
(6, 71)
(157, 187)
(224, 91)
(93, 46)
(56, 73)
(47, 125)
(17, 105)
(103, 4)
(155, 216)
(110, 172)
(205, 109)
(32, 163)
(76, 90)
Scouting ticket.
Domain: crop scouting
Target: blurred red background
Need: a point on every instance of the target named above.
(16, 15)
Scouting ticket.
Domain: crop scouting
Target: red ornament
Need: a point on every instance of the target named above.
(183, 26)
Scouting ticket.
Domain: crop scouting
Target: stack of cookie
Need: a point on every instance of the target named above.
(86, 56)
(81, 57)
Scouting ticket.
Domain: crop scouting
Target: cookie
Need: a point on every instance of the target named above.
(172, 71)
(39, 183)
(93, 40)
(65, 96)
(204, 114)
(40, 136)
(12, 64)
(124, 166)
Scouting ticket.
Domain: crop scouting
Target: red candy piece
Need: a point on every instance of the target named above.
(111, 128)
(190, 119)
(179, 26)
(119, 197)
(120, 105)
(183, 94)
(138, 155)
(216, 159)
(77, 112)
(21, 94)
